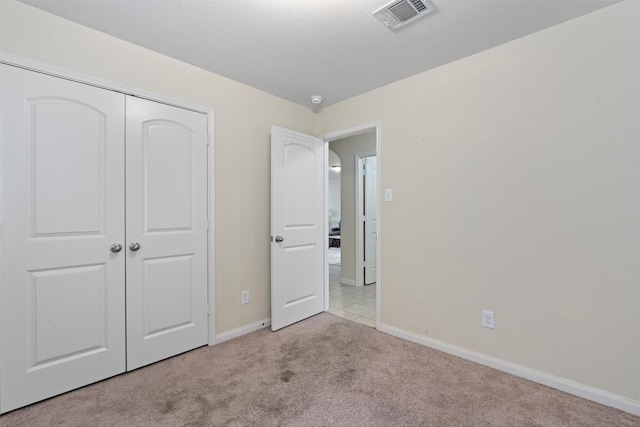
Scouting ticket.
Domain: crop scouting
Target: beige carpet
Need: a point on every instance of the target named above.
(324, 371)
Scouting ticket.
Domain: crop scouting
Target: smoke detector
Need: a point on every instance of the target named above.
(399, 13)
(316, 99)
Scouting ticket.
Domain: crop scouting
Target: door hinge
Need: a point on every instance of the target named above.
(208, 223)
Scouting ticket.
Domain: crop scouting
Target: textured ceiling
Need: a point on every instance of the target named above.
(298, 48)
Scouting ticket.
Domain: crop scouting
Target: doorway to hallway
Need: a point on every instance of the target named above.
(352, 257)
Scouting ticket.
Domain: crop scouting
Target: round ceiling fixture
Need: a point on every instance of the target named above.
(316, 99)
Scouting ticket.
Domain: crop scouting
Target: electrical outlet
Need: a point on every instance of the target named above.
(488, 319)
(245, 297)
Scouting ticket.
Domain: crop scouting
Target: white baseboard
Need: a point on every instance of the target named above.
(243, 330)
(577, 389)
(349, 282)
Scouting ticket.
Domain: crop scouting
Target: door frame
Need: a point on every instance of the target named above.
(67, 74)
(341, 134)
(359, 194)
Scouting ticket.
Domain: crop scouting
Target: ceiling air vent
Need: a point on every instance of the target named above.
(399, 13)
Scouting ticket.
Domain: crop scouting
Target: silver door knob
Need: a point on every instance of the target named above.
(279, 239)
(116, 247)
(134, 246)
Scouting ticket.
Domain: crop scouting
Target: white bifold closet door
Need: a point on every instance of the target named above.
(167, 218)
(62, 293)
(66, 234)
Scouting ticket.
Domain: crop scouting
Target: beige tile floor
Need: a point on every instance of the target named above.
(351, 302)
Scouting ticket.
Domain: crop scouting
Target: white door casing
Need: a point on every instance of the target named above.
(371, 220)
(298, 218)
(63, 299)
(167, 216)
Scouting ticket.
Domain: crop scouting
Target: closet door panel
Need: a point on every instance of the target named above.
(168, 173)
(167, 218)
(62, 206)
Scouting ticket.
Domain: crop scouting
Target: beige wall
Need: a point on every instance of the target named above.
(347, 149)
(515, 179)
(243, 119)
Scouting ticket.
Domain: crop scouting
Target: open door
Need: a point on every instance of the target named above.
(371, 220)
(298, 235)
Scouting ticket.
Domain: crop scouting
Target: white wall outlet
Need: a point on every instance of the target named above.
(488, 319)
(388, 195)
(245, 297)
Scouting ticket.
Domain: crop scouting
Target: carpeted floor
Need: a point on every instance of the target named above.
(324, 371)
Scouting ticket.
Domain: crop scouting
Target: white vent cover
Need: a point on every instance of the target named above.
(399, 13)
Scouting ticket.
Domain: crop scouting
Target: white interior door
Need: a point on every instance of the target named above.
(166, 231)
(371, 219)
(62, 206)
(297, 226)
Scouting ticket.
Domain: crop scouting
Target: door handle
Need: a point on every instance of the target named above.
(134, 246)
(279, 239)
(116, 247)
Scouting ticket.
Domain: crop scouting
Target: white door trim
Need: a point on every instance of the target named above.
(359, 217)
(340, 134)
(67, 74)
(211, 235)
